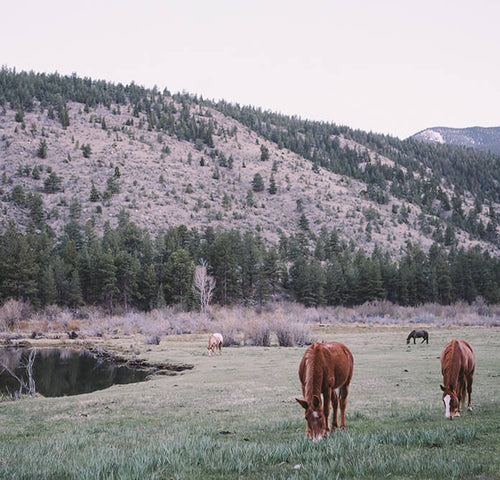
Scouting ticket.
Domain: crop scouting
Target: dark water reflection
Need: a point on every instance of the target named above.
(64, 371)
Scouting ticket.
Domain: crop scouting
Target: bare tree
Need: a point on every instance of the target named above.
(203, 286)
(29, 385)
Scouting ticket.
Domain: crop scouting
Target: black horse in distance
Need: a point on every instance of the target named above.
(418, 334)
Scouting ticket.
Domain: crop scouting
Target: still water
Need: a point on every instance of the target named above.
(63, 371)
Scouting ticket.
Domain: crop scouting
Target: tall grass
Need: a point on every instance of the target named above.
(127, 451)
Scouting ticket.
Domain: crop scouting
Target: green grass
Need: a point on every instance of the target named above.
(235, 416)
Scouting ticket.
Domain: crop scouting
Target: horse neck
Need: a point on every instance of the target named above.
(452, 369)
(313, 375)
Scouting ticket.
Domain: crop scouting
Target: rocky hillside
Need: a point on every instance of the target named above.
(487, 139)
(77, 149)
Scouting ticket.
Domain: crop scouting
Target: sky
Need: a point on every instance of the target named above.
(389, 66)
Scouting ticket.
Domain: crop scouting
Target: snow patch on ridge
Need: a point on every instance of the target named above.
(431, 136)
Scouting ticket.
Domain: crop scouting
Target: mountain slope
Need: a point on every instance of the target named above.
(487, 139)
(89, 149)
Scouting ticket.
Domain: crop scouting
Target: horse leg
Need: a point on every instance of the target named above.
(343, 392)
(461, 393)
(469, 391)
(335, 404)
(326, 407)
(414, 340)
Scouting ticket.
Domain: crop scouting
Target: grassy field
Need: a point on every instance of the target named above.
(235, 416)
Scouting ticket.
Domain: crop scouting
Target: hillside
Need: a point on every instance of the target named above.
(487, 139)
(178, 159)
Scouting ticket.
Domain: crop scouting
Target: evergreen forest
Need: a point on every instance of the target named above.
(126, 268)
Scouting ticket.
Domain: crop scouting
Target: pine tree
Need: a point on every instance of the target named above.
(52, 183)
(94, 194)
(74, 298)
(86, 150)
(272, 185)
(47, 288)
(264, 153)
(42, 149)
(107, 281)
(257, 183)
(64, 116)
(179, 273)
(303, 222)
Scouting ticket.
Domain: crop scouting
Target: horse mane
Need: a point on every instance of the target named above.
(451, 364)
(313, 374)
(410, 335)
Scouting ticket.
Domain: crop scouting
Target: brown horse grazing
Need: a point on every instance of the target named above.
(418, 334)
(324, 367)
(457, 367)
(215, 342)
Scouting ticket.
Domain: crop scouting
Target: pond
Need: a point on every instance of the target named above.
(63, 371)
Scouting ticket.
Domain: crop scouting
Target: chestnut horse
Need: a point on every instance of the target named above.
(457, 367)
(215, 342)
(324, 367)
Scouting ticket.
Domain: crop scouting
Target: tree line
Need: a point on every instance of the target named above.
(126, 268)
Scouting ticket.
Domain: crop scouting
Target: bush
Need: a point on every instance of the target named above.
(12, 312)
(258, 333)
(291, 334)
(152, 340)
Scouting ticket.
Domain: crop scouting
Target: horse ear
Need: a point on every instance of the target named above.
(303, 403)
(316, 402)
(442, 388)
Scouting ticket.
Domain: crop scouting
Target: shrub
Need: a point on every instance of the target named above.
(291, 334)
(152, 340)
(258, 332)
(12, 312)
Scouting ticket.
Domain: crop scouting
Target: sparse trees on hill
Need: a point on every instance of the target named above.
(52, 183)
(257, 183)
(264, 153)
(17, 196)
(272, 185)
(94, 194)
(86, 150)
(42, 149)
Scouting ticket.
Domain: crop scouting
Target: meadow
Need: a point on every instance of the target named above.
(235, 415)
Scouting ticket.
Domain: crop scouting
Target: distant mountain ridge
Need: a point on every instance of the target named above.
(482, 138)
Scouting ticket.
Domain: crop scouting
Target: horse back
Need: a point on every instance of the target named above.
(458, 355)
(469, 362)
(332, 361)
(340, 364)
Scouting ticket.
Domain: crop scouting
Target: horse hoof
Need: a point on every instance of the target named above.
(469, 409)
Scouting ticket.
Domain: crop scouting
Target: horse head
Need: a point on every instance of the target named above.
(315, 418)
(451, 402)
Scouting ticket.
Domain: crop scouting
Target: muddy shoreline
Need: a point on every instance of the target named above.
(153, 368)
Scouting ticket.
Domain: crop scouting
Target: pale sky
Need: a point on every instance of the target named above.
(390, 66)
